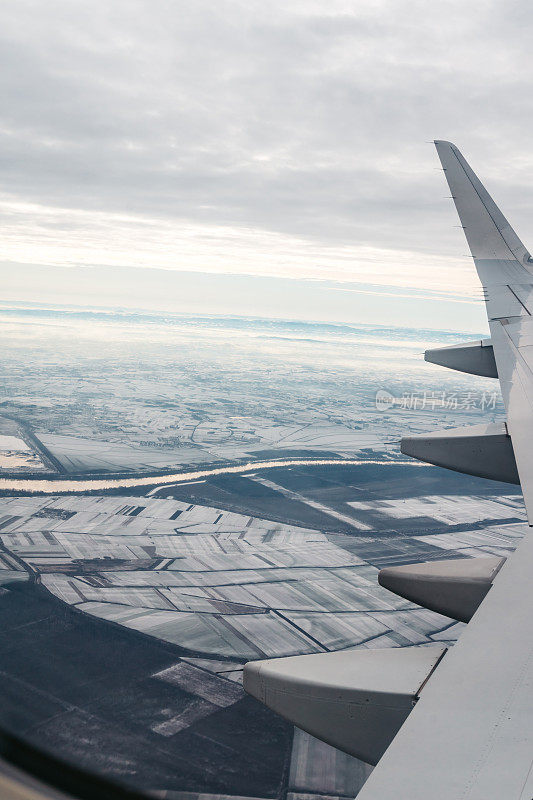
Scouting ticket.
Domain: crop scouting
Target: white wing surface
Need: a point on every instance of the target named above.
(470, 736)
(470, 733)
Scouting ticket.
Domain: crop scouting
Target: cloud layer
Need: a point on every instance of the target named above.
(265, 138)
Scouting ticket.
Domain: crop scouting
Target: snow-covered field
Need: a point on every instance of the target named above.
(17, 456)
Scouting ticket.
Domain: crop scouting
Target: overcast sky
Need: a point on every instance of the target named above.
(263, 138)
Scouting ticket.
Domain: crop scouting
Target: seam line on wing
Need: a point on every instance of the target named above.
(520, 301)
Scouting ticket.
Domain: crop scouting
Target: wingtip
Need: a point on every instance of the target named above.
(438, 142)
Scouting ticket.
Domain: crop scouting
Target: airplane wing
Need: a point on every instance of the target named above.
(455, 725)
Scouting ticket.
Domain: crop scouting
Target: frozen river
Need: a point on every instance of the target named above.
(69, 485)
